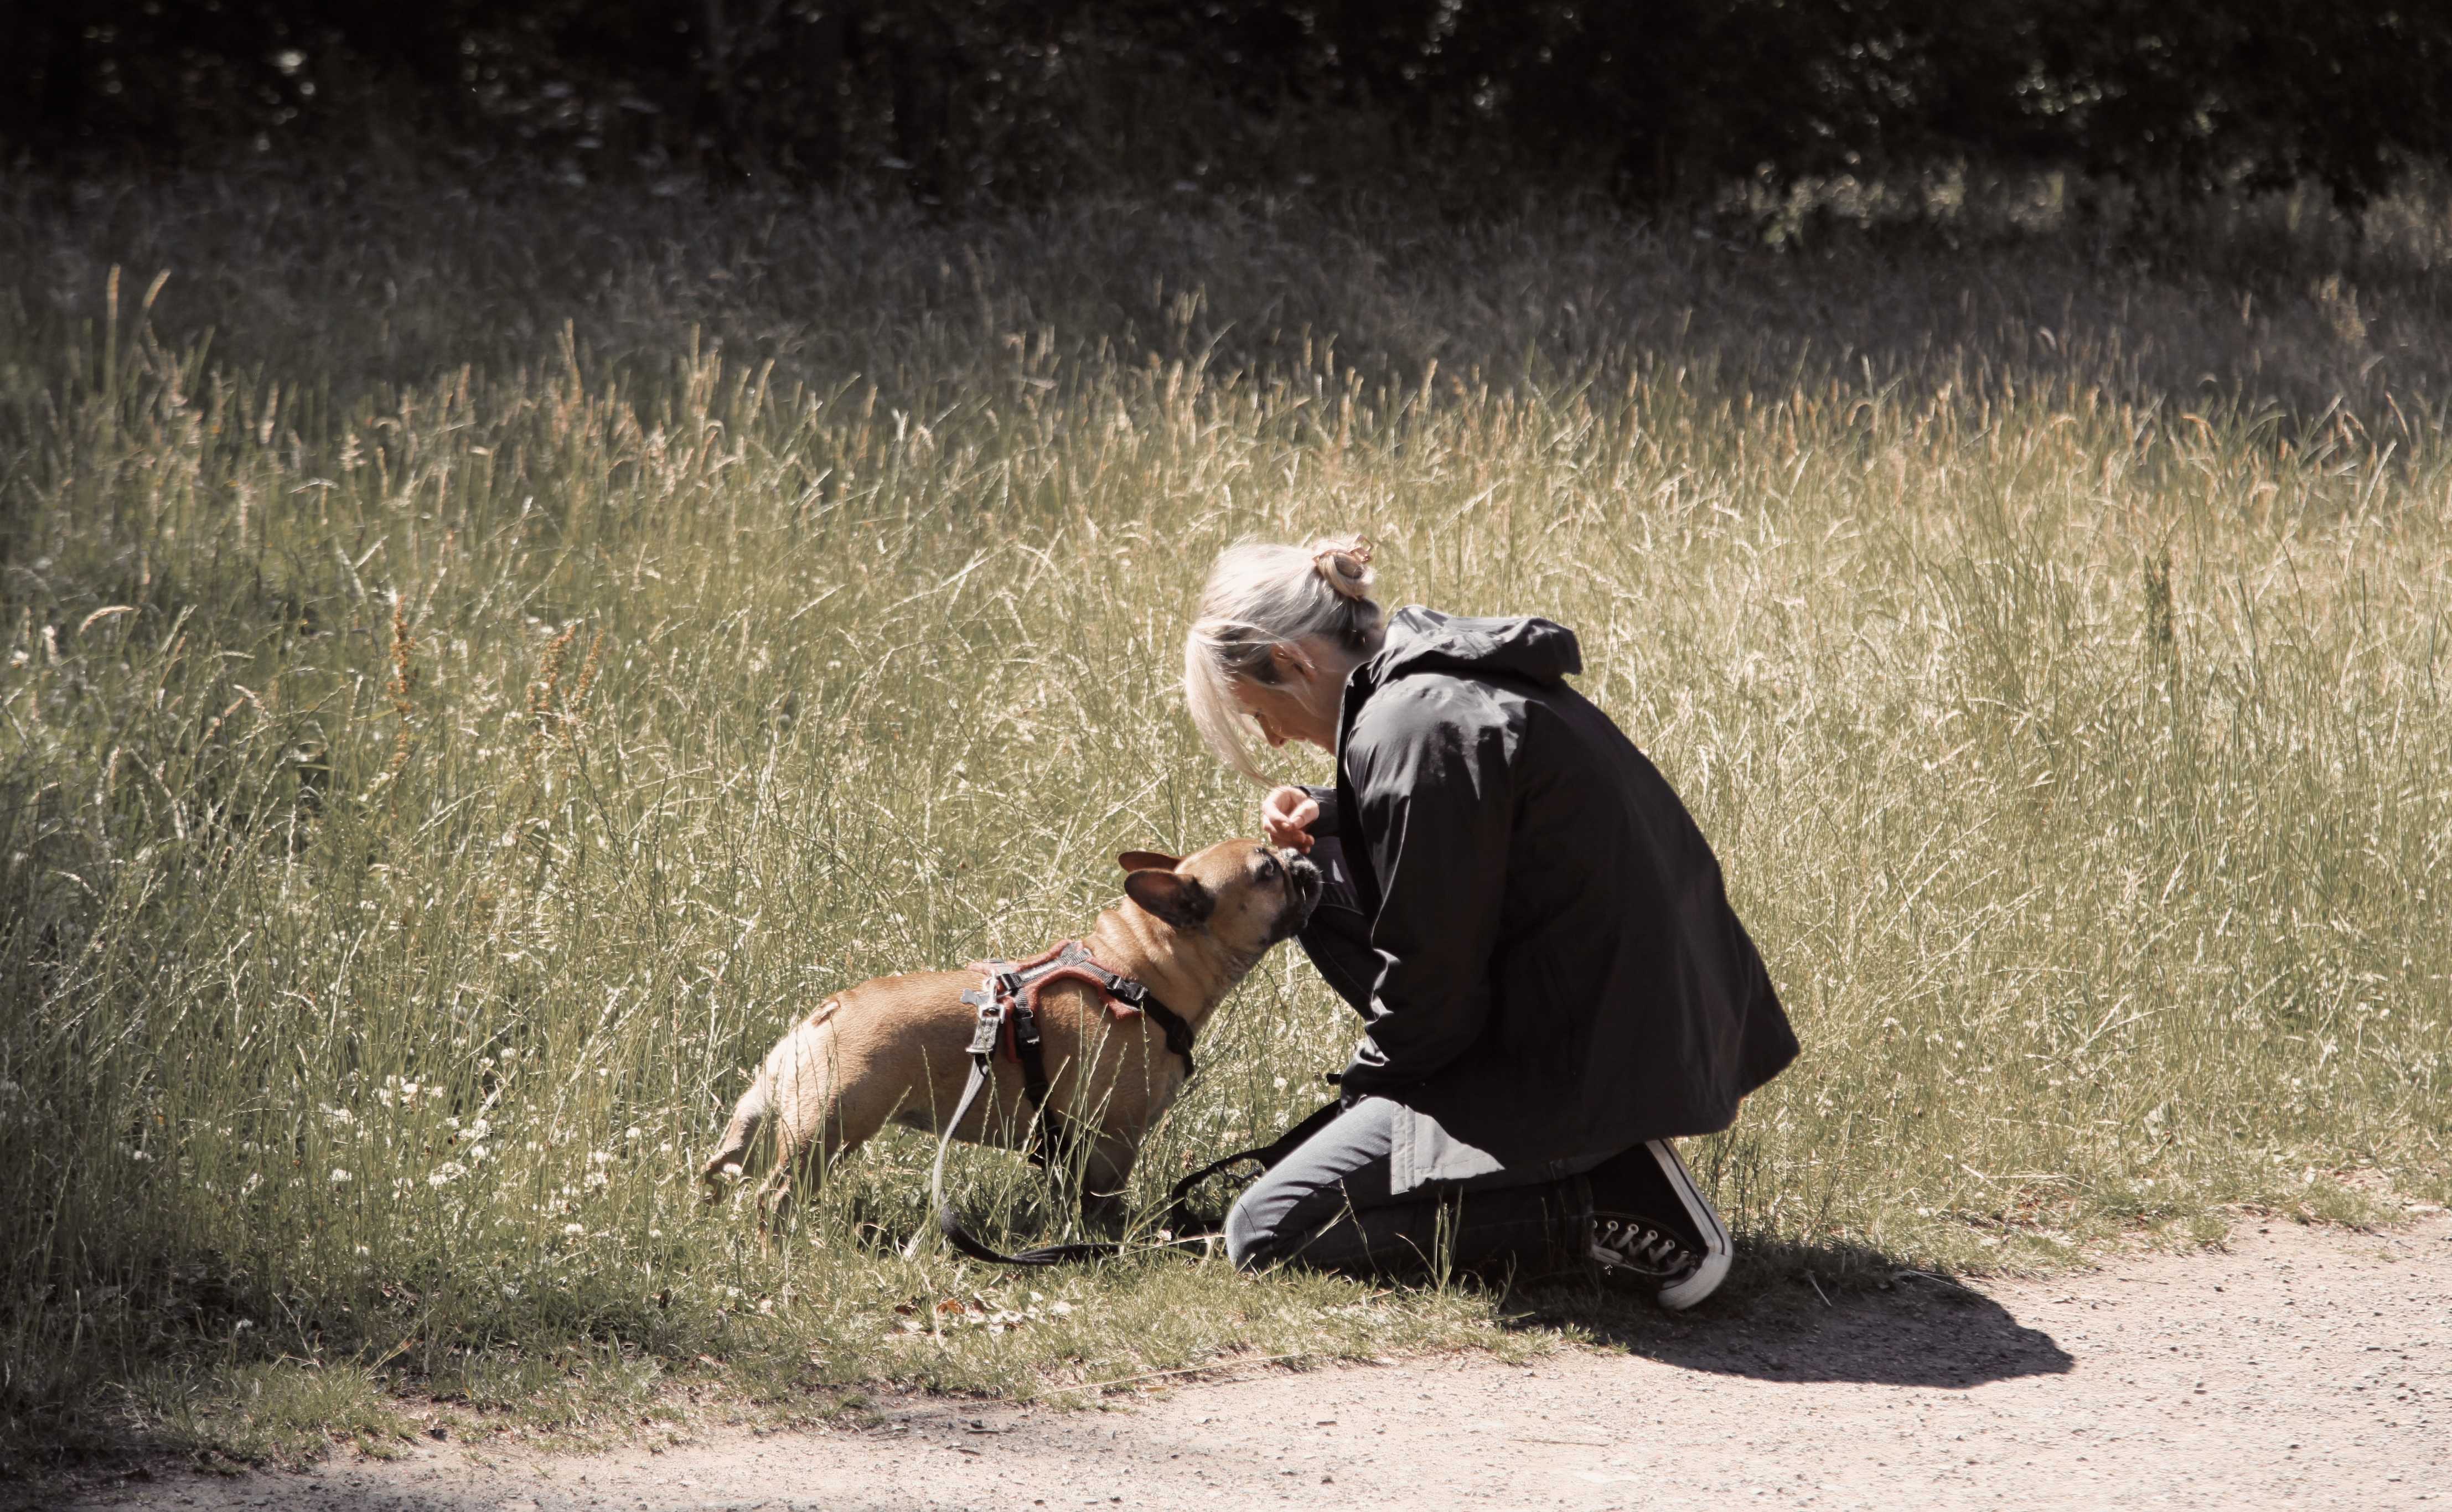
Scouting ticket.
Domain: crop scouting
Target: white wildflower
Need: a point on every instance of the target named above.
(445, 1174)
(340, 1177)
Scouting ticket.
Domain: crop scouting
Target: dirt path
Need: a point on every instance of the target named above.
(2301, 1367)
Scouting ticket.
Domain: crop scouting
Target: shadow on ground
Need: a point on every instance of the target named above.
(1817, 1313)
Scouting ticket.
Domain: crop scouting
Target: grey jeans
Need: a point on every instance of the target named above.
(1328, 1207)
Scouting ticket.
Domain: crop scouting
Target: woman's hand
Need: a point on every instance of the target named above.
(1287, 815)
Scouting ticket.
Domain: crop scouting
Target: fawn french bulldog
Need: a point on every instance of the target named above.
(895, 1049)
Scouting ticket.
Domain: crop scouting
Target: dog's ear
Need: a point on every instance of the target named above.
(1177, 900)
(1148, 861)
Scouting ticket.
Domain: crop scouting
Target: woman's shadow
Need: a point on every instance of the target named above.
(1806, 1312)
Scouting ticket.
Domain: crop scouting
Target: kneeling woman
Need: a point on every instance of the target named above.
(1552, 981)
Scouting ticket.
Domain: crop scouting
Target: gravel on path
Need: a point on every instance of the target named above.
(2297, 1367)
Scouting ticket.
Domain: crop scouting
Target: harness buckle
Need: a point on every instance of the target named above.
(989, 1028)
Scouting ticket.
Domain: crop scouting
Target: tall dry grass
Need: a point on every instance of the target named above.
(461, 707)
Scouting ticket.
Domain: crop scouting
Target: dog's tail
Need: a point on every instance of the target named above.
(768, 1101)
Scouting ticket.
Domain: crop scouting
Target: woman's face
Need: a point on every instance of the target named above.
(1301, 704)
(1278, 711)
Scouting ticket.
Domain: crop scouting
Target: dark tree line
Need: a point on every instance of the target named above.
(1646, 99)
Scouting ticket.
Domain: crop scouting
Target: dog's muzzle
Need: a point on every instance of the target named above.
(1304, 885)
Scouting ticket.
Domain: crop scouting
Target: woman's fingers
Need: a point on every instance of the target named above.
(1287, 815)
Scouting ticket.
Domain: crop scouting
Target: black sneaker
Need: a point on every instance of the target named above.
(1652, 1226)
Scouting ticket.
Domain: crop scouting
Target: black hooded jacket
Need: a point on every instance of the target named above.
(1530, 923)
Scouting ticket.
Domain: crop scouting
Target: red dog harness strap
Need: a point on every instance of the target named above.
(1019, 983)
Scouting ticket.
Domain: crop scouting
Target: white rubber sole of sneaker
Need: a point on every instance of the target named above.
(1681, 1294)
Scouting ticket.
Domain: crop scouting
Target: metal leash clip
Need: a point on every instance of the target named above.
(989, 1028)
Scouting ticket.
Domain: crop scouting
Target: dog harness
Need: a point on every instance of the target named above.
(1006, 1001)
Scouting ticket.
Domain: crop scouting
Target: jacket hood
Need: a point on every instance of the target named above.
(1421, 639)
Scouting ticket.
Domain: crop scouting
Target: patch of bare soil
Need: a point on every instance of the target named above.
(2299, 1367)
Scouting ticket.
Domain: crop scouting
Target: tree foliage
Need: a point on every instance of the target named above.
(1024, 98)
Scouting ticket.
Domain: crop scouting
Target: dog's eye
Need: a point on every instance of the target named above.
(1270, 870)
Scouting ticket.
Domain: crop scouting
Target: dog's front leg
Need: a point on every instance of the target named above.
(1104, 1175)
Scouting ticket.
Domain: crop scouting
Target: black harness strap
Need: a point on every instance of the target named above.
(1006, 1001)
(1170, 1022)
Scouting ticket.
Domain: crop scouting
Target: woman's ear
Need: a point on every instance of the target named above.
(1289, 662)
(1148, 861)
(1171, 898)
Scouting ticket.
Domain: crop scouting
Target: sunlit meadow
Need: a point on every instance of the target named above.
(477, 669)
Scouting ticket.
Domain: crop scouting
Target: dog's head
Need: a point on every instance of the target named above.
(1244, 894)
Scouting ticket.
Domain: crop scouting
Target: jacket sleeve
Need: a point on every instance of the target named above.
(1433, 785)
(1329, 823)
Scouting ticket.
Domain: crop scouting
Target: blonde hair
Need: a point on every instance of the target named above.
(1262, 595)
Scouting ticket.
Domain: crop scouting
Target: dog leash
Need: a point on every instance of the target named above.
(1006, 1001)
(1184, 1228)
(1183, 1222)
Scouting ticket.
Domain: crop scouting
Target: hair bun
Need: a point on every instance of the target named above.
(1345, 563)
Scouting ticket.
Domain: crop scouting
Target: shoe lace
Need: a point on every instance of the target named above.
(1638, 1246)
